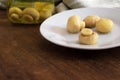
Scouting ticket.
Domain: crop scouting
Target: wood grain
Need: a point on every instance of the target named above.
(26, 55)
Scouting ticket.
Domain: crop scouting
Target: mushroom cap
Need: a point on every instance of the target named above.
(27, 18)
(14, 18)
(15, 10)
(73, 24)
(91, 20)
(88, 40)
(32, 12)
(104, 25)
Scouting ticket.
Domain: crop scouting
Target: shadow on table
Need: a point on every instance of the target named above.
(89, 54)
(69, 53)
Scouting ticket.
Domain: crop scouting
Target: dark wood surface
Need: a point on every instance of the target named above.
(26, 55)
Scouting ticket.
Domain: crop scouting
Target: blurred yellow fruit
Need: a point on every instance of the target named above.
(39, 5)
(44, 14)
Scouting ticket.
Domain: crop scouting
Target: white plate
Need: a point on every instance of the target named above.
(54, 29)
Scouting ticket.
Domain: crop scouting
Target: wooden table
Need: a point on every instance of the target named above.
(26, 55)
